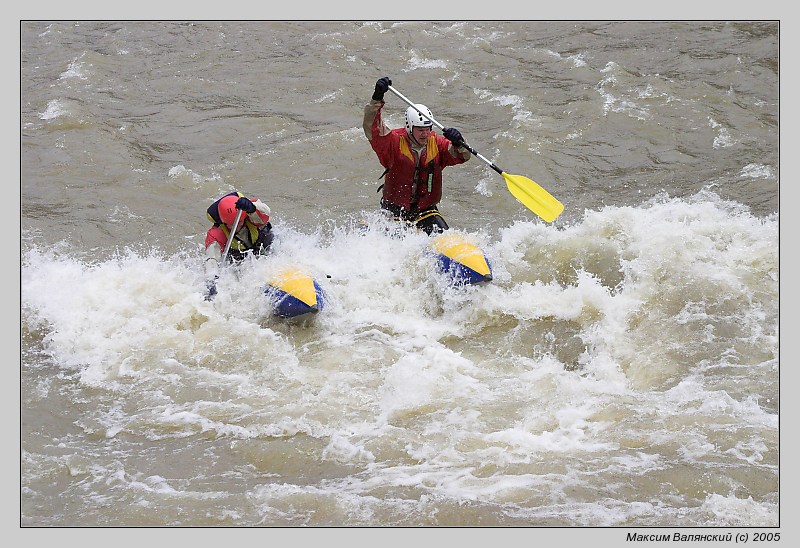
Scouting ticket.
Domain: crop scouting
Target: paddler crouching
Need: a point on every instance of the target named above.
(253, 234)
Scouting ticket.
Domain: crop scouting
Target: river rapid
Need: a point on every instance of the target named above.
(621, 370)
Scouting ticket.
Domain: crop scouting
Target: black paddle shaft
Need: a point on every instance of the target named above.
(464, 144)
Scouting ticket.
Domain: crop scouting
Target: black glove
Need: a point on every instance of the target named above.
(246, 205)
(453, 135)
(381, 87)
(211, 286)
(264, 240)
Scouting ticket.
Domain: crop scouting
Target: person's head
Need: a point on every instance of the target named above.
(418, 126)
(227, 212)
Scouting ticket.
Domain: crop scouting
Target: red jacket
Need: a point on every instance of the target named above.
(395, 153)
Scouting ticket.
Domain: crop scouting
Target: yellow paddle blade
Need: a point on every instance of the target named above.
(534, 197)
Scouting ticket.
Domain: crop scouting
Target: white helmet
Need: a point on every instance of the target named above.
(414, 118)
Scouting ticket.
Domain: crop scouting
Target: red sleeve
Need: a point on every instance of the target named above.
(387, 147)
(443, 144)
(377, 123)
(383, 145)
(215, 234)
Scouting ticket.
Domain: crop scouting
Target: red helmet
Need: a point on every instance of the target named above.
(227, 211)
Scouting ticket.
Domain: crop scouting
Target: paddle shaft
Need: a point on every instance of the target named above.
(230, 237)
(529, 194)
(440, 126)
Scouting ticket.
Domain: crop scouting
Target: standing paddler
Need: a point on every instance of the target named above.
(414, 158)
